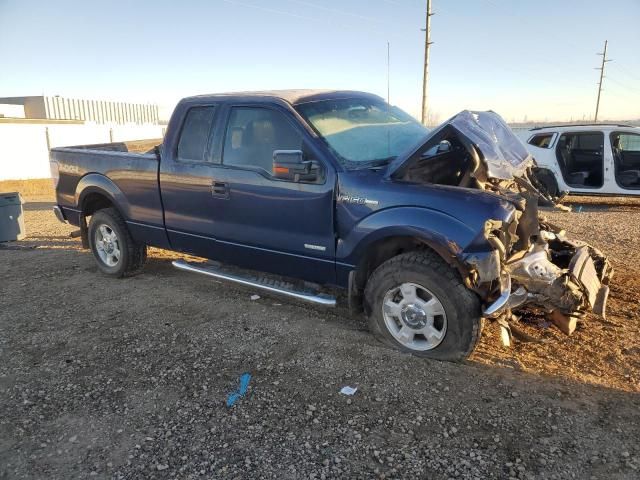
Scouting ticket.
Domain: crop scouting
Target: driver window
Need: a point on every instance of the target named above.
(253, 134)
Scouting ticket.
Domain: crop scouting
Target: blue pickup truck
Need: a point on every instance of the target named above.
(304, 193)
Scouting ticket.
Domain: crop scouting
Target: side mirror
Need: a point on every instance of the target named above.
(291, 165)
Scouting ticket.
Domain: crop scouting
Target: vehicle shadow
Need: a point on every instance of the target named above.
(603, 203)
(36, 206)
(56, 242)
(602, 207)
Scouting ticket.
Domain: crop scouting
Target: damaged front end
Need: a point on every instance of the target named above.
(542, 268)
(531, 262)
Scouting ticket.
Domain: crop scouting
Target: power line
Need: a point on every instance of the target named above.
(626, 72)
(316, 19)
(335, 10)
(549, 62)
(388, 73)
(601, 68)
(267, 9)
(625, 86)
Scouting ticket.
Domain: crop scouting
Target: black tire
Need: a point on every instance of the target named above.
(548, 181)
(132, 256)
(426, 269)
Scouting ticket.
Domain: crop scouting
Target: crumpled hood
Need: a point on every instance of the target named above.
(502, 152)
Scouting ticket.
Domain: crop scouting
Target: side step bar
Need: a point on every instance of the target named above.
(262, 282)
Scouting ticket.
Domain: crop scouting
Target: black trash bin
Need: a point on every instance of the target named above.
(11, 217)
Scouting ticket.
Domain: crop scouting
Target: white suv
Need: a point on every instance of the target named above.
(591, 159)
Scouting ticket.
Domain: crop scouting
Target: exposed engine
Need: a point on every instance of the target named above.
(534, 264)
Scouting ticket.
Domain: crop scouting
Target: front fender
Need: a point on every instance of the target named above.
(98, 183)
(443, 233)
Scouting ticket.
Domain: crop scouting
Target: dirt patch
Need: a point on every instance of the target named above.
(107, 378)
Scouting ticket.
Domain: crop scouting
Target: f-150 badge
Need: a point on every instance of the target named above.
(346, 198)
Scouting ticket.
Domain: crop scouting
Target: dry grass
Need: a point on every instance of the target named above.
(31, 190)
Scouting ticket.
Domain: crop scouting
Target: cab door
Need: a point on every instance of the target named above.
(186, 181)
(263, 222)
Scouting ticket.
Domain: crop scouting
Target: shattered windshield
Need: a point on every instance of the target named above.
(363, 132)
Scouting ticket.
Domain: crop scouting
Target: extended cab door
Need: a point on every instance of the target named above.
(222, 202)
(265, 223)
(186, 180)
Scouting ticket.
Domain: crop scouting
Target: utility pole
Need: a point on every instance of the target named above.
(601, 68)
(425, 78)
(388, 74)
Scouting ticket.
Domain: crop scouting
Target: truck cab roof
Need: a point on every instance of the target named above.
(292, 97)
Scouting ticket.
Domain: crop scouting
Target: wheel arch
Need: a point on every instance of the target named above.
(382, 249)
(95, 185)
(96, 192)
(390, 232)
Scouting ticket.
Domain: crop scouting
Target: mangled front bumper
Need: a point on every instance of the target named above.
(559, 275)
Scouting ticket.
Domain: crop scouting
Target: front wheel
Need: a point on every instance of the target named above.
(418, 304)
(114, 249)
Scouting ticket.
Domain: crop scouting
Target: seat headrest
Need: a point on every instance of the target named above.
(616, 142)
(259, 132)
(236, 137)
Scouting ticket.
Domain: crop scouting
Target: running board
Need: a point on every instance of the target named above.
(263, 282)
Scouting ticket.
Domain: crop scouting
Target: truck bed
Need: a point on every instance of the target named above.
(127, 170)
(130, 146)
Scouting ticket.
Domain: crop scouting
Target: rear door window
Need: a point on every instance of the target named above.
(589, 142)
(193, 145)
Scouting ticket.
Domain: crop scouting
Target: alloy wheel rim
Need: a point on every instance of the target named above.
(107, 245)
(414, 316)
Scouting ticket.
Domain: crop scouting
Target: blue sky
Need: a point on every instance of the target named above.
(533, 59)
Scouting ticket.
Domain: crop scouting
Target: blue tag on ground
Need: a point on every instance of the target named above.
(233, 397)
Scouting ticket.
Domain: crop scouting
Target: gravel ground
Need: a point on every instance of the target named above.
(104, 378)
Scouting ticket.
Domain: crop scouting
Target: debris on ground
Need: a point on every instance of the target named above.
(233, 397)
(346, 390)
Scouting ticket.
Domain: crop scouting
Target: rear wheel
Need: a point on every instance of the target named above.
(417, 303)
(115, 251)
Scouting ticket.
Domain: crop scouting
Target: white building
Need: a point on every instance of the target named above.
(30, 126)
(96, 111)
